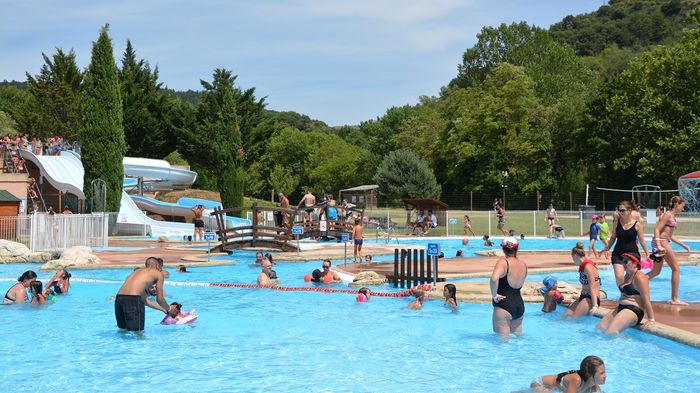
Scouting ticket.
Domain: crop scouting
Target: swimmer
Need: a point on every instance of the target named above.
(264, 276)
(588, 378)
(37, 291)
(507, 280)
(465, 242)
(258, 258)
(174, 314)
(487, 242)
(181, 269)
(450, 294)
(328, 276)
(634, 301)
(60, 282)
(420, 298)
(17, 294)
(552, 297)
(368, 259)
(460, 254)
(363, 295)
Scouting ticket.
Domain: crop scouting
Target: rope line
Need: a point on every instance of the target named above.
(405, 293)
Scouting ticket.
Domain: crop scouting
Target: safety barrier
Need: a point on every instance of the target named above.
(405, 293)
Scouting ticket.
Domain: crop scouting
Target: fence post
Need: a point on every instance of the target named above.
(488, 217)
(447, 223)
(534, 223)
(580, 220)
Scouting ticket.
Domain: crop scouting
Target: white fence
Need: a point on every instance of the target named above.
(52, 232)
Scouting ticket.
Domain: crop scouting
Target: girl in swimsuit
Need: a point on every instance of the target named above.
(450, 294)
(18, 293)
(37, 290)
(663, 235)
(60, 282)
(625, 236)
(634, 301)
(507, 279)
(589, 301)
(588, 378)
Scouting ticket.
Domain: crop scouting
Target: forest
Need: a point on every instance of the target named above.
(607, 98)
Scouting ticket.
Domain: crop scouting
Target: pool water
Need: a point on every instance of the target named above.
(263, 340)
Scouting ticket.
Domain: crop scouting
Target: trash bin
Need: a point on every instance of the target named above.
(587, 210)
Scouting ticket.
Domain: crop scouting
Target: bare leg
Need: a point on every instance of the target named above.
(619, 273)
(605, 322)
(621, 321)
(472, 232)
(670, 258)
(516, 326)
(501, 322)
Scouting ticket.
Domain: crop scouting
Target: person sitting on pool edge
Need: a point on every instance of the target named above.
(129, 305)
(328, 276)
(588, 378)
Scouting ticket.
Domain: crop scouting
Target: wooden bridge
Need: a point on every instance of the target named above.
(278, 235)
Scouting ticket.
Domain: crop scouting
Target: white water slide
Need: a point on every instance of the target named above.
(65, 173)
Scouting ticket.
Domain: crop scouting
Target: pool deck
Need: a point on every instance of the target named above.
(680, 323)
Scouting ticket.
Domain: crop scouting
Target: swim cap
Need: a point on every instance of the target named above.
(548, 283)
(361, 298)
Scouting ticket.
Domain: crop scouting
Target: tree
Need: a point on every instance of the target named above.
(101, 132)
(148, 111)
(55, 98)
(215, 142)
(403, 174)
(283, 180)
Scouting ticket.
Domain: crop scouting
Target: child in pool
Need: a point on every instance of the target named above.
(450, 293)
(36, 289)
(174, 314)
(588, 378)
(487, 242)
(363, 295)
(552, 297)
(420, 297)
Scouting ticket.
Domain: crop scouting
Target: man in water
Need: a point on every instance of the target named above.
(264, 279)
(129, 305)
(328, 276)
(198, 222)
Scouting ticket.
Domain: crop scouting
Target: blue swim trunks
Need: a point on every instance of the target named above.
(358, 242)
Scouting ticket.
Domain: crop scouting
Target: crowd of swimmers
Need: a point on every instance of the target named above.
(29, 288)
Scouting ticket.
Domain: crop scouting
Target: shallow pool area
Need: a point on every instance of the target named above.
(262, 340)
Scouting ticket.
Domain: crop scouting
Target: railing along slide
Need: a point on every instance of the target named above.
(279, 236)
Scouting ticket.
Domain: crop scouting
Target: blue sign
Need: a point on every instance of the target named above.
(345, 237)
(433, 249)
(297, 230)
(209, 236)
(453, 221)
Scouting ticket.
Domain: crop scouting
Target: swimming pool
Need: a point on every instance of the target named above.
(262, 340)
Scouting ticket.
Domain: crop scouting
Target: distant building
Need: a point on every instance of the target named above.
(362, 196)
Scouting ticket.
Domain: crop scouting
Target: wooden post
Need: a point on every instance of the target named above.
(402, 268)
(538, 200)
(430, 269)
(415, 267)
(255, 224)
(408, 268)
(422, 266)
(395, 279)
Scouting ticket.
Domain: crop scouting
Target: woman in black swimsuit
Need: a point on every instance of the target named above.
(507, 279)
(18, 293)
(634, 300)
(625, 236)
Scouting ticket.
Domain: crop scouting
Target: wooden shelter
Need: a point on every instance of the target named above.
(361, 196)
(439, 208)
(9, 204)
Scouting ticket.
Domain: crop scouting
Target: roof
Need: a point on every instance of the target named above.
(691, 175)
(420, 202)
(361, 188)
(6, 196)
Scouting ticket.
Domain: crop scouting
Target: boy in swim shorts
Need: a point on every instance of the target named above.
(357, 240)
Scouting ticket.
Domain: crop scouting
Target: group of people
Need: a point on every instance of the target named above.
(423, 222)
(29, 288)
(12, 148)
(634, 305)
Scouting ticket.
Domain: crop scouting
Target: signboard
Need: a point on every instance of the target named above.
(433, 249)
(453, 221)
(209, 236)
(323, 225)
(345, 237)
(297, 230)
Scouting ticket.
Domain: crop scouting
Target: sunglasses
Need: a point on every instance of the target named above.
(326, 267)
(622, 210)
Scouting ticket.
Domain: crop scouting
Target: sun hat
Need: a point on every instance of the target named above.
(509, 242)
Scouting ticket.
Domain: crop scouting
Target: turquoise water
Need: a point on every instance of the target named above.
(263, 340)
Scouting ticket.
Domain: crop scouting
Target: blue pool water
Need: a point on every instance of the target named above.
(263, 340)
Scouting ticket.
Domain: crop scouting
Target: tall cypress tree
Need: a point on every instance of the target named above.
(101, 132)
(148, 111)
(215, 142)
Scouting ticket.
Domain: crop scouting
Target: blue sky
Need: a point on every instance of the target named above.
(340, 61)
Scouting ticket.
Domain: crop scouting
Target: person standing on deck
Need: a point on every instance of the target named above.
(198, 222)
(357, 241)
(309, 201)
